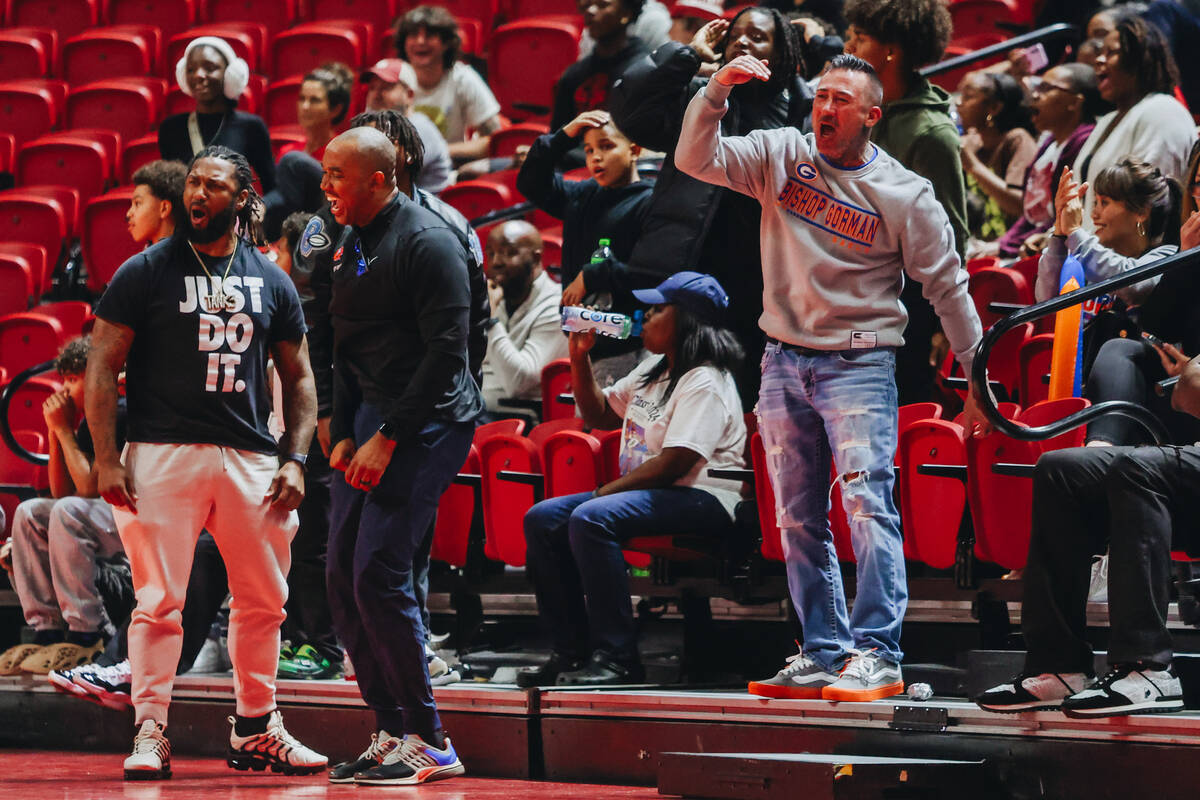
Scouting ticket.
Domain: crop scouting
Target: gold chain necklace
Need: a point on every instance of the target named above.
(218, 300)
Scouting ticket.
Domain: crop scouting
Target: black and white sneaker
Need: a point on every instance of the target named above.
(276, 748)
(109, 686)
(413, 762)
(1128, 689)
(1042, 692)
(801, 679)
(381, 744)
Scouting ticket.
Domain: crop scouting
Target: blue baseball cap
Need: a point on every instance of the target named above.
(699, 293)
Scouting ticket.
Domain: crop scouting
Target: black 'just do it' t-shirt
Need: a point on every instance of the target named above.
(195, 376)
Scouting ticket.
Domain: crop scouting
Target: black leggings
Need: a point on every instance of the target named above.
(1127, 369)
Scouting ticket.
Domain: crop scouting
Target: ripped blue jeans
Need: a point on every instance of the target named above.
(840, 405)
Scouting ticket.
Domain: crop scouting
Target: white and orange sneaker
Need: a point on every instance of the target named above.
(151, 756)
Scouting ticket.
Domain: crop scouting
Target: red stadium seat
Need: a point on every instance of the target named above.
(105, 239)
(71, 314)
(275, 14)
(68, 17)
(280, 105)
(525, 59)
(8, 152)
(49, 40)
(573, 463)
(35, 219)
(16, 284)
(545, 430)
(249, 42)
(455, 515)
(114, 52)
(380, 13)
(25, 409)
(67, 197)
(300, 49)
(23, 56)
(505, 142)
(764, 495)
(281, 138)
(29, 108)
(27, 339)
(132, 107)
(1034, 364)
(998, 284)
(473, 199)
(931, 507)
(552, 245)
(169, 16)
(524, 9)
(505, 502)
(479, 15)
(135, 154)
(35, 257)
(556, 381)
(16, 471)
(81, 163)
(972, 17)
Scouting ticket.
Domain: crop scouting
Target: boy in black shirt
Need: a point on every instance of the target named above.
(193, 318)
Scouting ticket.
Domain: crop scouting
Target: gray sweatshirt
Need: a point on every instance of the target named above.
(836, 243)
(1099, 263)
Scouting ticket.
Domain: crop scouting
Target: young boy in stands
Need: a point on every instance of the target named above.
(57, 540)
(610, 205)
(157, 194)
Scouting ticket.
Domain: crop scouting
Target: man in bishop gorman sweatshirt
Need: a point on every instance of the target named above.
(842, 224)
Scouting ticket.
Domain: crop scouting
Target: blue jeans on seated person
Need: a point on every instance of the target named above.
(574, 552)
(814, 406)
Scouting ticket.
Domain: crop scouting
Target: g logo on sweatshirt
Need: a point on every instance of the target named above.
(805, 171)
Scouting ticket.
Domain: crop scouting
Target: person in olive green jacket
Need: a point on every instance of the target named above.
(898, 37)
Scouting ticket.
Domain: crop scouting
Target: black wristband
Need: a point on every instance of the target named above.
(299, 458)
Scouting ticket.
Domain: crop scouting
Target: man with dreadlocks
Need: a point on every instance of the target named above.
(194, 318)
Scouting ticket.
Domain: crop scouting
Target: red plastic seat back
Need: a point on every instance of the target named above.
(972, 17)
(70, 162)
(525, 60)
(573, 463)
(931, 508)
(473, 199)
(28, 109)
(610, 454)
(275, 14)
(504, 502)
(23, 56)
(169, 16)
(997, 285)
(297, 50)
(1049, 411)
(280, 104)
(16, 284)
(130, 106)
(105, 240)
(34, 220)
(556, 380)
(70, 314)
(68, 17)
(545, 430)
(16, 471)
(114, 52)
(380, 13)
(1001, 505)
(137, 154)
(25, 408)
(505, 142)
(37, 259)
(764, 494)
(27, 339)
(508, 427)
(249, 41)
(1033, 361)
(456, 512)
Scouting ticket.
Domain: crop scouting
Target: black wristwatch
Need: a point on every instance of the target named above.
(387, 430)
(299, 458)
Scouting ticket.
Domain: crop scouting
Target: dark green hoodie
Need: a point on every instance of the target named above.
(917, 131)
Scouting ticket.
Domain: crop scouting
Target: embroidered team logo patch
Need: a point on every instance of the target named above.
(805, 171)
(337, 259)
(314, 237)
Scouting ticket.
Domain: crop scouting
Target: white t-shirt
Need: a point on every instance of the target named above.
(462, 100)
(703, 414)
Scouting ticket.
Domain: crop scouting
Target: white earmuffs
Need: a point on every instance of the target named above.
(237, 71)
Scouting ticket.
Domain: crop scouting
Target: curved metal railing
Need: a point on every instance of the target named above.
(6, 399)
(1138, 413)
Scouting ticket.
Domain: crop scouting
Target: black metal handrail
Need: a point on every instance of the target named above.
(1058, 30)
(1140, 414)
(6, 399)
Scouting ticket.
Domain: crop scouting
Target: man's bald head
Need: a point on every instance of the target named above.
(360, 175)
(514, 257)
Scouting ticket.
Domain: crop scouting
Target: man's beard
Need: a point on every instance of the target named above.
(218, 226)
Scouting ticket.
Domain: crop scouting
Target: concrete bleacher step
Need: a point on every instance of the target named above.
(988, 668)
(784, 776)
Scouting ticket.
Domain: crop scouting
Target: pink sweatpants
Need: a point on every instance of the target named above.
(180, 490)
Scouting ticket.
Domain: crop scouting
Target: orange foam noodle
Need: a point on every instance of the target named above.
(1065, 353)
